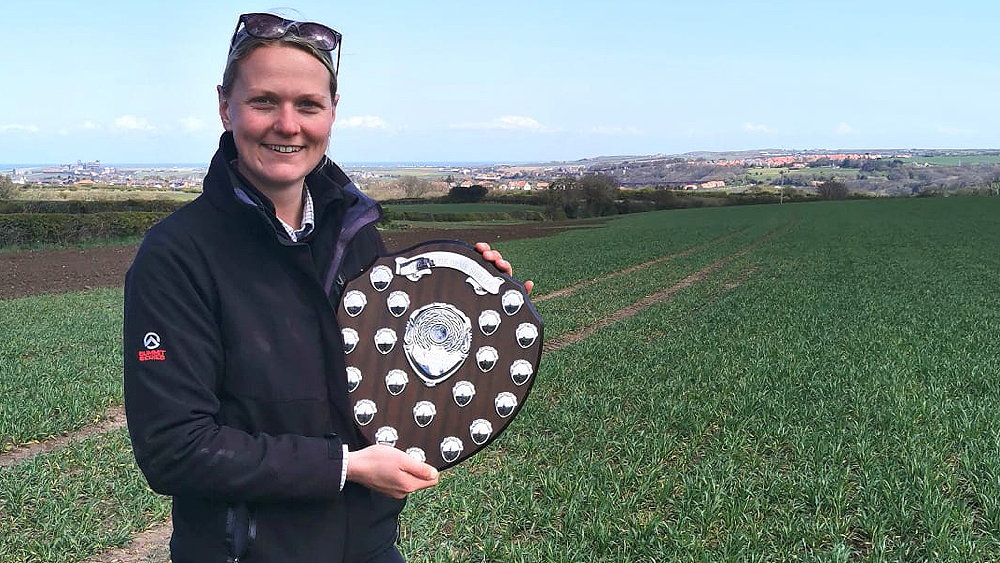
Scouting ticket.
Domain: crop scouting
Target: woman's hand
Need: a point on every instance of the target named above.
(389, 471)
(503, 265)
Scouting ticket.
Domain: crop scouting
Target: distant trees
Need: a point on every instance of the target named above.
(832, 189)
(414, 187)
(588, 196)
(471, 194)
(7, 188)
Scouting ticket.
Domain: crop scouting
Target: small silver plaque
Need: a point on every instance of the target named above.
(385, 340)
(354, 302)
(398, 302)
(353, 379)
(395, 381)
(480, 430)
(417, 454)
(520, 371)
(351, 339)
(486, 358)
(386, 436)
(489, 321)
(451, 448)
(364, 411)
(512, 301)
(424, 413)
(463, 392)
(526, 334)
(381, 277)
(505, 404)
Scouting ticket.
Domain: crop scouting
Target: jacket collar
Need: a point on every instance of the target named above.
(327, 183)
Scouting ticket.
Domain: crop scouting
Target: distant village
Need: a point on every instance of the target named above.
(677, 172)
(90, 173)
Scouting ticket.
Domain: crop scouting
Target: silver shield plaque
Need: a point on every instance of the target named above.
(442, 348)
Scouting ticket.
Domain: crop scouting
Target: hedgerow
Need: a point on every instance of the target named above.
(29, 228)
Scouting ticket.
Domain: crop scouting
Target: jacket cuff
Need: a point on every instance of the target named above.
(337, 448)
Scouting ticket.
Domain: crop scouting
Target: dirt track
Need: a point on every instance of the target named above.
(36, 272)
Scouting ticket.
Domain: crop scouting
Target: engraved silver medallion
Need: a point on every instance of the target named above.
(505, 404)
(395, 381)
(437, 340)
(353, 378)
(398, 302)
(463, 392)
(351, 339)
(385, 340)
(354, 302)
(526, 334)
(387, 436)
(512, 301)
(520, 371)
(489, 321)
(451, 448)
(424, 413)
(364, 411)
(381, 277)
(486, 358)
(480, 430)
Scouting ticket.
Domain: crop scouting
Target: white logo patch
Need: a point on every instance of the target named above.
(151, 341)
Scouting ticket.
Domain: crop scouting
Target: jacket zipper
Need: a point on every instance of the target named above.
(241, 531)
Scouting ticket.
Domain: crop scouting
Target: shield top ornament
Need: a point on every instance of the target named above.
(442, 350)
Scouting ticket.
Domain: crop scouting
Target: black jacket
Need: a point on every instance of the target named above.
(235, 385)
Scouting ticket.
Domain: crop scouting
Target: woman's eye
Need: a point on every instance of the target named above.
(261, 102)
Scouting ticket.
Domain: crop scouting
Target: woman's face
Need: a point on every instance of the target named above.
(280, 112)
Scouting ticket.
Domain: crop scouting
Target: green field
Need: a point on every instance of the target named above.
(956, 160)
(461, 207)
(812, 381)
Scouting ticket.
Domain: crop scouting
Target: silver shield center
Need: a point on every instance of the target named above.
(437, 341)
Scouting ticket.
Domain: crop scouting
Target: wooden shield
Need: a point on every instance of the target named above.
(442, 349)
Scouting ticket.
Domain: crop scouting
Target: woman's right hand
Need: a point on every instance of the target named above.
(389, 471)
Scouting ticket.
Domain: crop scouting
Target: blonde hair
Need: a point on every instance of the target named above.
(245, 44)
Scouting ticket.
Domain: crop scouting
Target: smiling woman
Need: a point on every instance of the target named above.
(280, 109)
(238, 407)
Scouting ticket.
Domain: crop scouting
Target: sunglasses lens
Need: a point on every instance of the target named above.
(321, 36)
(266, 26)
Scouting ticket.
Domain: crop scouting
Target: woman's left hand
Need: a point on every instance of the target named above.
(493, 256)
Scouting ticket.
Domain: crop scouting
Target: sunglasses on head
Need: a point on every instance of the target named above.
(270, 26)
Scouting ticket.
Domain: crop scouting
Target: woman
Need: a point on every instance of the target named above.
(234, 386)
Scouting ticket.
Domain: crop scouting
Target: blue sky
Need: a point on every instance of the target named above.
(127, 81)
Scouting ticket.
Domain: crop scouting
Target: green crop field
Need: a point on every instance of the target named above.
(814, 381)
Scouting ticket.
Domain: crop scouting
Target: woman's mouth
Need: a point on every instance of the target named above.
(284, 148)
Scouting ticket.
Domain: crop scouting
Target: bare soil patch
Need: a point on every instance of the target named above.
(40, 272)
(112, 419)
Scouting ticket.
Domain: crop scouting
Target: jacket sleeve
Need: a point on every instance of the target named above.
(173, 360)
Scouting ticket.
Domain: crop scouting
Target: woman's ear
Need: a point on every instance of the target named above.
(224, 109)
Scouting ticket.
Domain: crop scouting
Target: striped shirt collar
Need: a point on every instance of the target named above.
(308, 214)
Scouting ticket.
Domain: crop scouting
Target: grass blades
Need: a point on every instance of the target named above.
(60, 363)
(68, 505)
(830, 395)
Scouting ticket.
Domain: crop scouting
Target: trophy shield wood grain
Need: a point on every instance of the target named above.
(442, 349)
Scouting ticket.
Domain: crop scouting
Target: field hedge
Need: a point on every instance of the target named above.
(31, 228)
(84, 206)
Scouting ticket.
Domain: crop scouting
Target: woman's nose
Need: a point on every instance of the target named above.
(286, 122)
